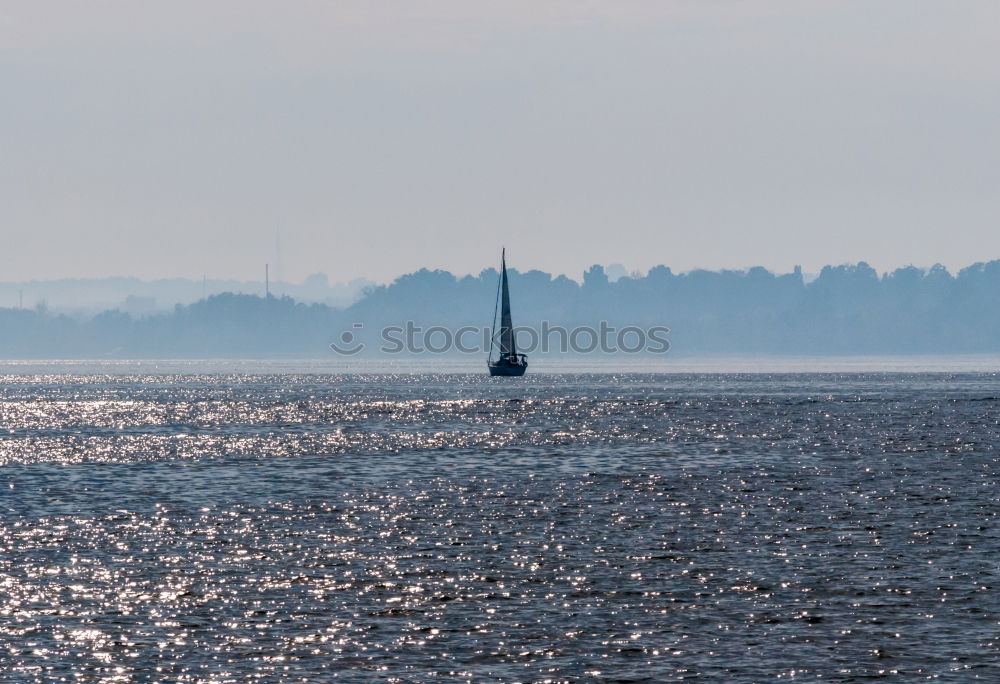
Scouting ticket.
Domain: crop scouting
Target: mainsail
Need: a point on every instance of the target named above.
(506, 326)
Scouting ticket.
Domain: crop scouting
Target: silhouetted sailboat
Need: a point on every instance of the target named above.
(510, 363)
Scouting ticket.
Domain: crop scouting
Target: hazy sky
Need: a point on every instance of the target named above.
(175, 138)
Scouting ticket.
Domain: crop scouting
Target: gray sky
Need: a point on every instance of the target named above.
(175, 138)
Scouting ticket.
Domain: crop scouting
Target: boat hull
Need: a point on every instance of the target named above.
(507, 369)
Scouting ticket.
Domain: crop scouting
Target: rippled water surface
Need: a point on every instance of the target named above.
(301, 527)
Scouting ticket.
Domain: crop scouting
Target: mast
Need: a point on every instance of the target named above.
(506, 326)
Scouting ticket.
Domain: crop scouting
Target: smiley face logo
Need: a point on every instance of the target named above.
(348, 345)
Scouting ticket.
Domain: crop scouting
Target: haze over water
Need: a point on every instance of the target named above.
(198, 522)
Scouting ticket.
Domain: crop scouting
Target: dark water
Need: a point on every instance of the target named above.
(563, 527)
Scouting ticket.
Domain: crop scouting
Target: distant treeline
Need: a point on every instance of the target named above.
(89, 296)
(845, 310)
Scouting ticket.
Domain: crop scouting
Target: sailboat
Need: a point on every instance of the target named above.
(509, 363)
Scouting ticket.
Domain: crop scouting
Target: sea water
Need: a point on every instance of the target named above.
(275, 523)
